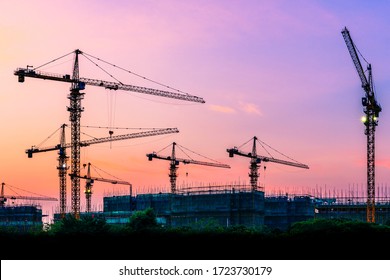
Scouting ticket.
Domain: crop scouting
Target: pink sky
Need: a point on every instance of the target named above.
(278, 70)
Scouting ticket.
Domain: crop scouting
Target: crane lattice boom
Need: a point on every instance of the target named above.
(355, 59)
(112, 181)
(86, 143)
(188, 161)
(25, 72)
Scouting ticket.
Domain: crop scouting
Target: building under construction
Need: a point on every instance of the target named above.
(238, 205)
(223, 206)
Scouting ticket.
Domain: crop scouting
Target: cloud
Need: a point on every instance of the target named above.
(222, 109)
(383, 163)
(250, 108)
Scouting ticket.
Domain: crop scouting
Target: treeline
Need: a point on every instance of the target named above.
(143, 238)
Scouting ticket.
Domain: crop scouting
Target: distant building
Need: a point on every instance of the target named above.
(348, 208)
(282, 211)
(21, 218)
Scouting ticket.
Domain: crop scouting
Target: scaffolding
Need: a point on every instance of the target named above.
(21, 218)
(238, 204)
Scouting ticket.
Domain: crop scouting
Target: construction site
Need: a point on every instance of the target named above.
(227, 206)
(201, 206)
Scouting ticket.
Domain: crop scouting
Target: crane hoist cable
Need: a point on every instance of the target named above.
(135, 74)
(47, 138)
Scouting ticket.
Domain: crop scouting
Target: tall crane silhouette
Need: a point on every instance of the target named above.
(4, 198)
(62, 171)
(89, 183)
(62, 158)
(256, 161)
(372, 109)
(174, 164)
(75, 109)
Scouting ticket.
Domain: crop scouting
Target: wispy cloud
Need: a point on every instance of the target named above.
(250, 108)
(383, 163)
(222, 109)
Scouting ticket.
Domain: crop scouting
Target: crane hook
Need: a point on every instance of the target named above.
(111, 133)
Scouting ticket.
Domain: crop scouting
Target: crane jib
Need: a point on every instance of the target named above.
(86, 143)
(25, 72)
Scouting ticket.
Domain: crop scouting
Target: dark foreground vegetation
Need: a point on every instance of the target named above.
(143, 238)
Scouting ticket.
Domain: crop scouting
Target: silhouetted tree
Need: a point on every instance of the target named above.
(143, 220)
(84, 225)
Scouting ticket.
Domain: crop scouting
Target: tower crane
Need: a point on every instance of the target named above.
(89, 183)
(372, 109)
(256, 161)
(62, 158)
(174, 162)
(4, 198)
(75, 109)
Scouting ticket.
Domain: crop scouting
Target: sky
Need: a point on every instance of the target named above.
(278, 70)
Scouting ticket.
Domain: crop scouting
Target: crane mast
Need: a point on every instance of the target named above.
(174, 164)
(254, 166)
(372, 109)
(88, 189)
(75, 109)
(256, 161)
(62, 170)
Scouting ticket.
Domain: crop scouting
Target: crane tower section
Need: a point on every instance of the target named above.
(371, 108)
